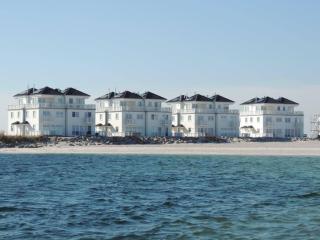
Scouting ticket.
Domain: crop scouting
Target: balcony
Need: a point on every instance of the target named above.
(205, 111)
(52, 106)
(133, 109)
(270, 112)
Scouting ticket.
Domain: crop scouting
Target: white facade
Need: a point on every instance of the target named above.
(51, 112)
(315, 126)
(128, 114)
(268, 117)
(201, 116)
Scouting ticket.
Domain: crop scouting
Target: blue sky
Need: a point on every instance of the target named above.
(240, 49)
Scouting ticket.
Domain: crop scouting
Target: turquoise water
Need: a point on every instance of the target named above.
(159, 197)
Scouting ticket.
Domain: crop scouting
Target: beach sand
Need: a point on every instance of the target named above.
(307, 148)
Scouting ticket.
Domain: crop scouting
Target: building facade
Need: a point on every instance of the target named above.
(199, 115)
(269, 117)
(51, 112)
(315, 126)
(128, 114)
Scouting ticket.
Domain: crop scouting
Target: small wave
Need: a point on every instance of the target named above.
(8, 209)
(309, 195)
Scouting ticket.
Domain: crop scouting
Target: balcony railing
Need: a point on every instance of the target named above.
(133, 109)
(269, 112)
(205, 111)
(52, 105)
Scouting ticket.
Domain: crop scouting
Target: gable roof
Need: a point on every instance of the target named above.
(150, 95)
(74, 92)
(219, 98)
(198, 98)
(180, 98)
(109, 95)
(128, 94)
(268, 100)
(26, 92)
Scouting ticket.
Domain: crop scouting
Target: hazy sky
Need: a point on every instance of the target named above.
(240, 49)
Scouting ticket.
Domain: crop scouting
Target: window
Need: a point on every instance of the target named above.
(284, 108)
(59, 114)
(200, 118)
(46, 113)
(279, 120)
(117, 129)
(11, 114)
(153, 116)
(34, 114)
(88, 114)
(100, 116)
(287, 120)
(210, 118)
(156, 104)
(279, 108)
(258, 119)
(268, 119)
(18, 114)
(246, 119)
(117, 116)
(189, 129)
(27, 113)
(189, 118)
(166, 117)
(11, 128)
(70, 100)
(75, 130)
(139, 116)
(251, 119)
(128, 116)
(75, 114)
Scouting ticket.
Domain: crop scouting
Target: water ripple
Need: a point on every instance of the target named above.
(86, 197)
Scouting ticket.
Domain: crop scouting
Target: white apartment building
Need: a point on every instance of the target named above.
(51, 112)
(203, 116)
(269, 117)
(128, 114)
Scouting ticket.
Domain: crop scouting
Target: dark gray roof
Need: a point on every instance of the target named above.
(180, 98)
(26, 92)
(199, 98)
(268, 100)
(150, 95)
(286, 101)
(128, 94)
(74, 92)
(109, 95)
(48, 91)
(219, 98)
(51, 91)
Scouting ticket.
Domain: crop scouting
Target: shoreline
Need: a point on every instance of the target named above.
(303, 148)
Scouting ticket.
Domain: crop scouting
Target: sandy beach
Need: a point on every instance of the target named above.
(307, 148)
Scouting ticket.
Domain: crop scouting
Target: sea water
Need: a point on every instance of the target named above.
(159, 197)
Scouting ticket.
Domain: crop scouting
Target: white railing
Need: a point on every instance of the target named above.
(132, 109)
(270, 112)
(52, 105)
(205, 111)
